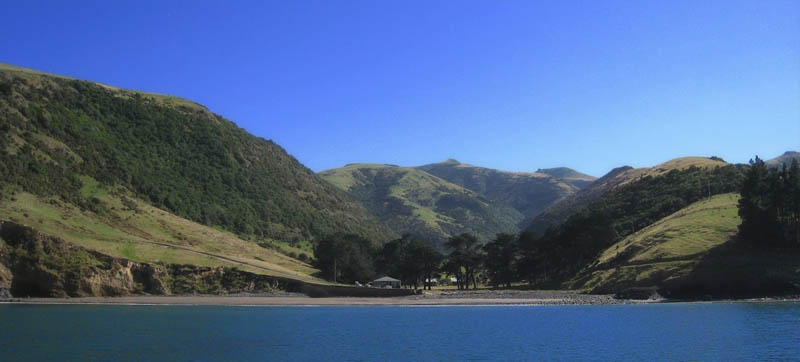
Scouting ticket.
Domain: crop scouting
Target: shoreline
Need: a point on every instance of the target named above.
(300, 302)
(480, 298)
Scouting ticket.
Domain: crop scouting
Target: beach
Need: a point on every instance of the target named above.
(479, 297)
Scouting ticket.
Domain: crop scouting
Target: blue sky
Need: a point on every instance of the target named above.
(514, 85)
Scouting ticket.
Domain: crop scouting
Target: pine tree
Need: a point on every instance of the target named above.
(757, 227)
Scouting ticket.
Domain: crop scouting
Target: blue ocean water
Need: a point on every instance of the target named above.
(707, 331)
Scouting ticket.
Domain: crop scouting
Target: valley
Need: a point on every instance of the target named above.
(166, 184)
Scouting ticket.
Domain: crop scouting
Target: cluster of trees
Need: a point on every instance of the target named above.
(347, 258)
(770, 206)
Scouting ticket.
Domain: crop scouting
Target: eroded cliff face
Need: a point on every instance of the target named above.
(38, 265)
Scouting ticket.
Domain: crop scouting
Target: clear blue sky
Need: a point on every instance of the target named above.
(514, 85)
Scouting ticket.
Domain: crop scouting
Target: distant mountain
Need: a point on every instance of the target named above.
(559, 212)
(61, 137)
(527, 192)
(577, 179)
(410, 200)
(784, 159)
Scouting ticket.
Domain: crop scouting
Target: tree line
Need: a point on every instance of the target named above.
(770, 206)
(349, 258)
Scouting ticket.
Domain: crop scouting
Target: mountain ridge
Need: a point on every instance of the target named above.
(527, 192)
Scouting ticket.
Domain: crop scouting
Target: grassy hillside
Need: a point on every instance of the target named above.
(565, 249)
(122, 226)
(412, 201)
(528, 193)
(168, 152)
(572, 204)
(668, 249)
(678, 164)
(575, 178)
(691, 251)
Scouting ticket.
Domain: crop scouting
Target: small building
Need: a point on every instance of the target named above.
(386, 282)
(432, 282)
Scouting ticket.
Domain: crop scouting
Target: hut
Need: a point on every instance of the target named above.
(386, 282)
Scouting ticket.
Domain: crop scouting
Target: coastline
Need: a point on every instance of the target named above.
(435, 298)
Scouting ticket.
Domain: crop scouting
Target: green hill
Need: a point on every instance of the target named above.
(564, 249)
(172, 153)
(665, 250)
(784, 159)
(693, 250)
(412, 201)
(527, 192)
(161, 180)
(572, 204)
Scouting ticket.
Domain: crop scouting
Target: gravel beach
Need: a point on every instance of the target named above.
(431, 298)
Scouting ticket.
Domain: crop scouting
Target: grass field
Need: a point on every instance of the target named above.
(123, 226)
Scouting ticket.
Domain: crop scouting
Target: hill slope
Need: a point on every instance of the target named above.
(412, 201)
(667, 249)
(125, 227)
(169, 152)
(565, 249)
(692, 250)
(784, 159)
(529, 193)
(570, 205)
(575, 178)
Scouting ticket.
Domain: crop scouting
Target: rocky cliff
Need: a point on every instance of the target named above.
(38, 265)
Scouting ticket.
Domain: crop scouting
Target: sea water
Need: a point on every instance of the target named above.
(664, 332)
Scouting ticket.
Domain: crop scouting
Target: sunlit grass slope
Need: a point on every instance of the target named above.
(666, 250)
(123, 226)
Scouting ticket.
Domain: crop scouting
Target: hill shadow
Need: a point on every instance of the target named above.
(733, 270)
